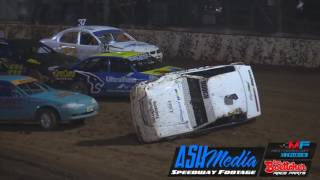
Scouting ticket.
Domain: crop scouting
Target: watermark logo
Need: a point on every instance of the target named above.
(198, 160)
(292, 158)
(298, 144)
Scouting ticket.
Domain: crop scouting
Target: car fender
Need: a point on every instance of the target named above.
(55, 109)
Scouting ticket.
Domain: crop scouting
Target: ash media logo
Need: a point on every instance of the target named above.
(202, 160)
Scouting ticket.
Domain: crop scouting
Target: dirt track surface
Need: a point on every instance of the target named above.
(105, 147)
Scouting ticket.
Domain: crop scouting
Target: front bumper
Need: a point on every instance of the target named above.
(82, 116)
(145, 133)
(158, 56)
(77, 114)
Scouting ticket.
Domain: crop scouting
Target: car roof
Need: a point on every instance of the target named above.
(16, 79)
(122, 54)
(12, 77)
(93, 28)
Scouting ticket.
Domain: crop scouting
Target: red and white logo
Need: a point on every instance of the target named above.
(284, 166)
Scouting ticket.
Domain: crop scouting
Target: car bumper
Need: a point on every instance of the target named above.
(158, 56)
(146, 133)
(73, 115)
(82, 116)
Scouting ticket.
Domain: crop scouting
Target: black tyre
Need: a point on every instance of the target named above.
(47, 118)
(80, 87)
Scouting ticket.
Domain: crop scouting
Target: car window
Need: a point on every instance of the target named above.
(119, 65)
(121, 37)
(96, 64)
(32, 88)
(70, 37)
(146, 65)
(42, 49)
(113, 35)
(88, 39)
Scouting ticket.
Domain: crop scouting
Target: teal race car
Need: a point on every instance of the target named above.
(23, 98)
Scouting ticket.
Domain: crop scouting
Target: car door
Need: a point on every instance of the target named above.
(13, 105)
(68, 43)
(94, 72)
(121, 76)
(88, 45)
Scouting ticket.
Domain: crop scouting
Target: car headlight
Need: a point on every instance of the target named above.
(73, 105)
(93, 101)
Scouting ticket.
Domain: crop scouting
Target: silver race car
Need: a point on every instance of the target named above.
(84, 41)
(195, 100)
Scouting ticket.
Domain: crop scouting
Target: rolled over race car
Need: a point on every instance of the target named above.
(110, 73)
(195, 100)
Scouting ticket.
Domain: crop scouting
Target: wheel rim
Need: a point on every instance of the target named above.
(45, 120)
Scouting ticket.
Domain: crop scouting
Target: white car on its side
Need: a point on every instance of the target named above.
(84, 41)
(194, 100)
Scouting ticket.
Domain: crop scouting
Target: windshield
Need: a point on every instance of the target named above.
(33, 87)
(107, 36)
(146, 65)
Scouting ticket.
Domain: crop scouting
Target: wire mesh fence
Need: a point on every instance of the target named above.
(252, 16)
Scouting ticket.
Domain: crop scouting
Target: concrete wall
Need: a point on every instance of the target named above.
(208, 47)
(233, 48)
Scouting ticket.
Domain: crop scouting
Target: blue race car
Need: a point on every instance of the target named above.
(112, 73)
(25, 99)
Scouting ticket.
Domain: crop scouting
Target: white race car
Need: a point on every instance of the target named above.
(84, 41)
(195, 100)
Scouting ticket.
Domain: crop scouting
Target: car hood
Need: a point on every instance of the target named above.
(162, 71)
(64, 97)
(136, 46)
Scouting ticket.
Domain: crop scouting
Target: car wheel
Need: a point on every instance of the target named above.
(80, 87)
(47, 119)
